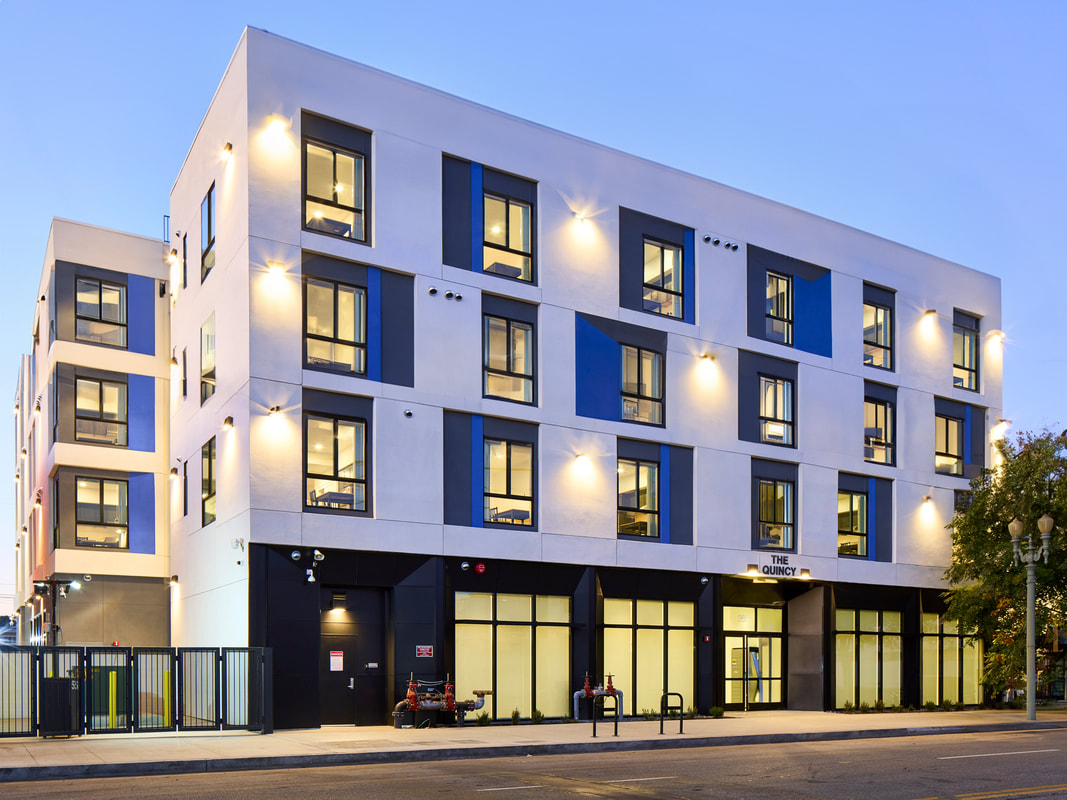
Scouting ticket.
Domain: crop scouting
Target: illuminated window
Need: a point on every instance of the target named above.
(334, 191)
(851, 523)
(965, 351)
(642, 385)
(207, 233)
(100, 411)
(207, 359)
(948, 445)
(662, 286)
(779, 308)
(100, 312)
(951, 662)
(335, 326)
(877, 336)
(877, 431)
(101, 514)
(508, 482)
(207, 482)
(335, 474)
(508, 359)
(638, 511)
(776, 410)
(506, 246)
(775, 514)
(868, 657)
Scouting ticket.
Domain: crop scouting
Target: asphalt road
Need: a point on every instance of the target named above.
(962, 767)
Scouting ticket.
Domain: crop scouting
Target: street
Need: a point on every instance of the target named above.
(977, 766)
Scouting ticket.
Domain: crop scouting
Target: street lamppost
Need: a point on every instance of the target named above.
(1029, 557)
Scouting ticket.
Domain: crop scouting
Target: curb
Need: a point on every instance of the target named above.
(606, 745)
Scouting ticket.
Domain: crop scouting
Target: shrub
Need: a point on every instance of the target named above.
(649, 713)
(516, 715)
(536, 717)
(716, 712)
(691, 712)
(864, 707)
(482, 719)
(879, 705)
(930, 705)
(847, 707)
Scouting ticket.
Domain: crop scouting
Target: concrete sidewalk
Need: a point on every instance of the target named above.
(116, 755)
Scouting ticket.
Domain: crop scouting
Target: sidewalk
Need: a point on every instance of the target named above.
(114, 755)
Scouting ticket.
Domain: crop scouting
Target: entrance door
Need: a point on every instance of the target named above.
(753, 671)
(352, 659)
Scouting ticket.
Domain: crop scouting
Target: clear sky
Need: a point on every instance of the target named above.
(938, 125)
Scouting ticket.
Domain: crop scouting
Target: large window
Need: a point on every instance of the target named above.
(662, 286)
(779, 308)
(207, 359)
(877, 431)
(508, 360)
(334, 191)
(852, 523)
(867, 657)
(100, 312)
(100, 411)
(508, 495)
(965, 351)
(335, 326)
(638, 511)
(506, 247)
(102, 513)
(877, 336)
(948, 445)
(642, 385)
(775, 514)
(776, 410)
(951, 662)
(207, 233)
(335, 464)
(207, 482)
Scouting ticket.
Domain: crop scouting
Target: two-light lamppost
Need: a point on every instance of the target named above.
(1029, 556)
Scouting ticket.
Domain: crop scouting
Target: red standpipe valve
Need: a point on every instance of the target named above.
(412, 697)
(610, 689)
(450, 697)
(588, 689)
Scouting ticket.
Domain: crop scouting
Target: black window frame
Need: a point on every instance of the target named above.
(208, 483)
(770, 319)
(956, 468)
(100, 481)
(360, 346)
(762, 542)
(842, 532)
(646, 286)
(636, 509)
(788, 423)
(888, 438)
(360, 212)
(209, 378)
(509, 495)
(123, 423)
(870, 346)
(336, 507)
(207, 233)
(185, 260)
(508, 200)
(531, 357)
(185, 488)
(185, 372)
(124, 325)
(968, 328)
(636, 396)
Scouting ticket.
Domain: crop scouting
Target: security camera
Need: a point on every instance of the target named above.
(465, 566)
(295, 555)
(408, 412)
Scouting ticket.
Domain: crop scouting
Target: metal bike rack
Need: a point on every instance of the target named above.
(601, 698)
(665, 708)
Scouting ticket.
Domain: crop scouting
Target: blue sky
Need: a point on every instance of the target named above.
(939, 125)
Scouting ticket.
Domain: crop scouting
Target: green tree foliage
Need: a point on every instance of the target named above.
(989, 590)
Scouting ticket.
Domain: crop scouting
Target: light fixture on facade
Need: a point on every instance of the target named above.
(930, 312)
(17, 477)
(172, 257)
(927, 499)
(273, 410)
(310, 575)
(753, 570)
(318, 556)
(22, 454)
(805, 574)
(339, 601)
(227, 424)
(227, 151)
(37, 406)
(37, 499)
(16, 406)
(275, 269)
(173, 580)
(174, 472)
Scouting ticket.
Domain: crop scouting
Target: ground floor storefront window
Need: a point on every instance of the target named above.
(951, 663)
(753, 655)
(867, 657)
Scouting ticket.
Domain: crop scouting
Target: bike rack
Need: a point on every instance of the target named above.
(601, 698)
(665, 707)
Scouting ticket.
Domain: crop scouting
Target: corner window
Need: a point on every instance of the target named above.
(642, 385)
(506, 246)
(948, 445)
(100, 411)
(334, 191)
(508, 360)
(638, 511)
(877, 431)
(101, 515)
(851, 524)
(662, 286)
(775, 514)
(965, 351)
(335, 473)
(207, 233)
(776, 410)
(779, 308)
(335, 327)
(100, 312)
(207, 482)
(877, 336)
(207, 359)
(508, 494)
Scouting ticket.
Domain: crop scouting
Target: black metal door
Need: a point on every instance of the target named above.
(352, 660)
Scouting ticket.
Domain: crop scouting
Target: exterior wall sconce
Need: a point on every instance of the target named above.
(275, 268)
(17, 477)
(173, 580)
(310, 575)
(927, 499)
(805, 574)
(227, 151)
(318, 556)
(172, 258)
(752, 571)
(227, 423)
(37, 406)
(16, 406)
(174, 472)
(930, 312)
(22, 454)
(37, 499)
(273, 410)
(174, 361)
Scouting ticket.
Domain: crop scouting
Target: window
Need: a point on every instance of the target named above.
(100, 411)
(185, 260)
(185, 372)
(207, 359)
(877, 431)
(775, 514)
(335, 326)
(851, 524)
(508, 494)
(877, 336)
(207, 482)
(868, 657)
(642, 385)
(779, 308)
(965, 351)
(334, 187)
(207, 233)
(335, 465)
(662, 287)
(100, 312)
(507, 359)
(506, 246)
(102, 515)
(948, 445)
(776, 410)
(638, 498)
(951, 662)
(185, 488)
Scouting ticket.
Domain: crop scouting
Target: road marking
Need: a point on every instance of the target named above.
(509, 788)
(635, 780)
(1011, 792)
(987, 755)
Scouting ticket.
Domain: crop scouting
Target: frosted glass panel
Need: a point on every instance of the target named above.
(618, 612)
(951, 669)
(845, 666)
(553, 609)
(769, 620)
(514, 607)
(618, 658)
(869, 621)
(680, 671)
(649, 612)
(553, 671)
(514, 658)
(868, 670)
(474, 660)
(474, 605)
(680, 615)
(930, 623)
(737, 618)
(931, 653)
(845, 619)
(649, 668)
(891, 670)
(891, 621)
(972, 672)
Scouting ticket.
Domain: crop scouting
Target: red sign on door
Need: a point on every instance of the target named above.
(424, 651)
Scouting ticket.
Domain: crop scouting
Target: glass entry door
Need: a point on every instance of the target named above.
(753, 671)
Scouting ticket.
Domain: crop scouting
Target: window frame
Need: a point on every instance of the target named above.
(509, 495)
(209, 378)
(360, 212)
(786, 421)
(207, 233)
(862, 547)
(956, 467)
(123, 423)
(636, 509)
(966, 327)
(508, 201)
(208, 482)
(888, 439)
(637, 397)
(100, 481)
(359, 344)
(364, 481)
(770, 318)
(869, 345)
(788, 524)
(531, 357)
(663, 246)
(123, 326)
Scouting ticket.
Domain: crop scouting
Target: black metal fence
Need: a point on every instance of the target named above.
(67, 691)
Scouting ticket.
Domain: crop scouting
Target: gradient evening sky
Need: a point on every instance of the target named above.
(938, 125)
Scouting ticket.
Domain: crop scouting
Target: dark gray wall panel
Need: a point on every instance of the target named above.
(457, 468)
(398, 329)
(681, 495)
(456, 212)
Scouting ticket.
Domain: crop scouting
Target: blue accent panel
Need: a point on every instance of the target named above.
(140, 314)
(142, 512)
(141, 412)
(688, 273)
(374, 324)
(967, 434)
(598, 372)
(665, 493)
(477, 468)
(812, 326)
(872, 521)
(477, 222)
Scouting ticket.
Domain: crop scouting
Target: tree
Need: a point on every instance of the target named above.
(989, 590)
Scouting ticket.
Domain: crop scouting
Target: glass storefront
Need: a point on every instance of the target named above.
(951, 663)
(753, 656)
(867, 657)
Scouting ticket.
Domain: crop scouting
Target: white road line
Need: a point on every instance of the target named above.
(987, 755)
(509, 788)
(635, 780)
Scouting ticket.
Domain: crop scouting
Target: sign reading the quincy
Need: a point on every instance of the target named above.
(779, 566)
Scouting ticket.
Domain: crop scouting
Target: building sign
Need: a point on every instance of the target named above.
(337, 660)
(783, 565)
(424, 651)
